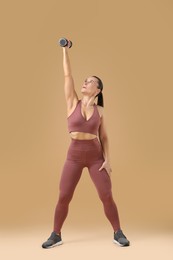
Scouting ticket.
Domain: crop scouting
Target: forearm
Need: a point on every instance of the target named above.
(105, 147)
(66, 63)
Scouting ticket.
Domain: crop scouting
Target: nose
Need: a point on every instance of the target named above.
(84, 85)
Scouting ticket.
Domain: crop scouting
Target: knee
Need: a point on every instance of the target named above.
(106, 197)
(64, 198)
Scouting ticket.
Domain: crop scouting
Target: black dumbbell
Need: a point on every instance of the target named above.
(63, 42)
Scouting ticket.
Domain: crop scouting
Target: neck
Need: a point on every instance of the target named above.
(88, 101)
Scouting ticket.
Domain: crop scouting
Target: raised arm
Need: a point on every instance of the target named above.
(70, 93)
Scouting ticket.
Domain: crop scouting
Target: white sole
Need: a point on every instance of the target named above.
(57, 244)
(116, 242)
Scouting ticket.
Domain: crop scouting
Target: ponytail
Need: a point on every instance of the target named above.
(100, 99)
(100, 95)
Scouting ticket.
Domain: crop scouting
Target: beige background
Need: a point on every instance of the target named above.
(129, 45)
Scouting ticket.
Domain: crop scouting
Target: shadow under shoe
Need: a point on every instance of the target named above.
(120, 239)
(52, 241)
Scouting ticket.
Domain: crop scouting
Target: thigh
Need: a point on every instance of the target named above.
(70, 176)
(101, 179)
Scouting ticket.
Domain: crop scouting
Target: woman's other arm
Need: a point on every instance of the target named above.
(105, 146)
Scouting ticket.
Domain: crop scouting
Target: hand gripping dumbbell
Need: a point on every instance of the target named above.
(63, 42)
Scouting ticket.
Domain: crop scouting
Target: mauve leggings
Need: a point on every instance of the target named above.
(85, 153)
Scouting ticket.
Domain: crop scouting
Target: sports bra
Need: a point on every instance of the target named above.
(77, 123)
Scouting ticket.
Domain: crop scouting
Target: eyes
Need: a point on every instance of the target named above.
(89, 81)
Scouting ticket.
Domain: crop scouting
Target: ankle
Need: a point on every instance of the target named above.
(58, 233)
(117, 230)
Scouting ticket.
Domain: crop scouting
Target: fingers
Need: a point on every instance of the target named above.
(101, 168)
(108, 170)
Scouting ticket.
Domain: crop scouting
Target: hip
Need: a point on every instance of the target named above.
(85, 150)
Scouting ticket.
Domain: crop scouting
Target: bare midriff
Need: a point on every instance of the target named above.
(82, 136)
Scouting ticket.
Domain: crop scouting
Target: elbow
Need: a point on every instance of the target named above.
(103, 138)
(67, 74)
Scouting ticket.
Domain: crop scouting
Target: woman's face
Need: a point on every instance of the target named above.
(90, 87)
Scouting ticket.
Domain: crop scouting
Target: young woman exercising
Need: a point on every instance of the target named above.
(89, 148)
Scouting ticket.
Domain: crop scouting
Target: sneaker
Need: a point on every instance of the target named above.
(120, 239)
(53, 240)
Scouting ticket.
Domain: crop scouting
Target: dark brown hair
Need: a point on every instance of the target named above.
(100, 95)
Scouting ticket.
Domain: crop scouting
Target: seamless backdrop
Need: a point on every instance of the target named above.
(128, 44)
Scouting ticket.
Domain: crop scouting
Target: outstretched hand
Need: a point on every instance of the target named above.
(107, 167)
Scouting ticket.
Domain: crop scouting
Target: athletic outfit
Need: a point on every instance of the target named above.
(83, 153)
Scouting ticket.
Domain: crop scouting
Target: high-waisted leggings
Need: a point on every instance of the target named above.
(85, 153)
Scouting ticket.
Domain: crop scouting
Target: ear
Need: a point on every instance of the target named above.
(97, 93)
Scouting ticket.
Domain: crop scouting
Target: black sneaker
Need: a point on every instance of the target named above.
(120, 239)
(53, 240)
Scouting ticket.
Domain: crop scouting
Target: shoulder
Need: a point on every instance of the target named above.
(73, 108)
(100, 110)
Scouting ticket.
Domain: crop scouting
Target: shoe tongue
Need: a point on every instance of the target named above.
(120, 233)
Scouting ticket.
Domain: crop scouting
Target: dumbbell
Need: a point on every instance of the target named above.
(63, 42)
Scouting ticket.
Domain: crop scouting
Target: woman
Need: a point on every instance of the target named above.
(88, 148)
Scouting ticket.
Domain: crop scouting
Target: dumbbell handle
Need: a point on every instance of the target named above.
(63, 42)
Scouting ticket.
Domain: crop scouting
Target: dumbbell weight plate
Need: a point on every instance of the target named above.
(69, 44)
(63, 42)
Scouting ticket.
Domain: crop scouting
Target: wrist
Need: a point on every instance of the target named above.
(107, 159)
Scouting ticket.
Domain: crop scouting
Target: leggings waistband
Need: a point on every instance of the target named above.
(85, 144)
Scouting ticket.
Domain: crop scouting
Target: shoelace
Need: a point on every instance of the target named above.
(53, 236)
(120, 234)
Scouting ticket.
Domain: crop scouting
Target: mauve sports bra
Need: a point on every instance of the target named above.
(77, 123)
